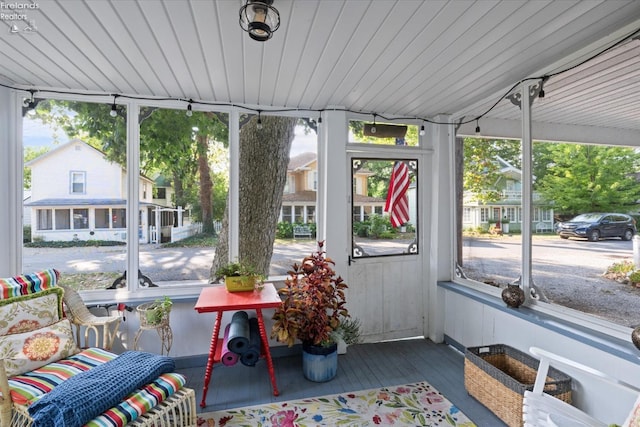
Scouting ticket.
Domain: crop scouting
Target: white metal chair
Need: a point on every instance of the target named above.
(82, 318)
(543, 410)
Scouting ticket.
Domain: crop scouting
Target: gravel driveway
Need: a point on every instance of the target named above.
(566, 272)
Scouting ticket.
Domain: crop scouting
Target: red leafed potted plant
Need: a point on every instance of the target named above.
(313, 304)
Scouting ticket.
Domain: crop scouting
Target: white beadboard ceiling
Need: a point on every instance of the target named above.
(403, 58)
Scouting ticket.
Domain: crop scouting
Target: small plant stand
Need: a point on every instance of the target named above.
(160, 324)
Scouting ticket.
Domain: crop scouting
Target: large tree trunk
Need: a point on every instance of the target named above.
(264, 157)
(206, 185)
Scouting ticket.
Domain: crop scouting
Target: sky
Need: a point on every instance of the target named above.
(36, 134)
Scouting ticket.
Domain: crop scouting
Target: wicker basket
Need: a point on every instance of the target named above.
(498, 375)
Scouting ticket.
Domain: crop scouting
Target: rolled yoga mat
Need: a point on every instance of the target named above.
(252, 354)
(239, 332)
(228, 357)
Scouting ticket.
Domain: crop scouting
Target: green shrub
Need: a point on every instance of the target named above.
(379, 225)
(361, 229)
(196, 241)
(634, 278)
(623, 267)
(387, 234)
(284, 230)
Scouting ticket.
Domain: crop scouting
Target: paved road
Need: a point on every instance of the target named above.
(567, 272)
(169, 264)
(160, 264)
(551, 257)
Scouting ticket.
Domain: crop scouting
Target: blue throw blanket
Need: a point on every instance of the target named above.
(88, 394)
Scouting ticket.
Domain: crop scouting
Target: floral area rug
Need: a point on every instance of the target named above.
(406, 405)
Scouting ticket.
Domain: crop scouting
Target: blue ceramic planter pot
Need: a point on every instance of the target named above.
(319, 364)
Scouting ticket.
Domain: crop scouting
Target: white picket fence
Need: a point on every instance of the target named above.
(180, 233)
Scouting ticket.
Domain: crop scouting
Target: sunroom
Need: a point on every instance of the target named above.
(541, 78)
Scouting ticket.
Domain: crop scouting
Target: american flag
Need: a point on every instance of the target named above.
(397, 201)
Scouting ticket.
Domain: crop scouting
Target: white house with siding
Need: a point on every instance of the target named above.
(299, 198)
(509, 187)
(78, 194)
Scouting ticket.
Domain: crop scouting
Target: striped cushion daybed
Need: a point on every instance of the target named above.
(29, 322)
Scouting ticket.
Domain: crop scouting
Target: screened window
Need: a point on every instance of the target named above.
(45, 219)
(311, 214)
(577, 269)
(80, 219)
(388, 187)
(286, 214)
(119, 218)
(63, 219)
(484, 214)
(466, 216)
(87, 175)
(102, 218)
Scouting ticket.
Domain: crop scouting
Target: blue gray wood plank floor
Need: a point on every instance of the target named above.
(365, 366)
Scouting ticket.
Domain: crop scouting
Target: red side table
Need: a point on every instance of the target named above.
(217, 299)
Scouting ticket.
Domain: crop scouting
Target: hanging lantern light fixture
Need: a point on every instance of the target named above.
(259, 19)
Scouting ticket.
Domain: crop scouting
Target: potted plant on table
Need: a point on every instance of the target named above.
(240, 276)
(313, 306)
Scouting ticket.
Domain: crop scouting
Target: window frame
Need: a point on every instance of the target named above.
(413, 162)
(79, 211)
(48, 214)
(587, 320)
(59, 216)
(108, 218)
(73, 182)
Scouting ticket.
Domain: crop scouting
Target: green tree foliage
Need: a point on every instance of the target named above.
(218, 153)
(590, 178)
(481, 169)
(171, 144)
(542, 160)
(89, 122)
